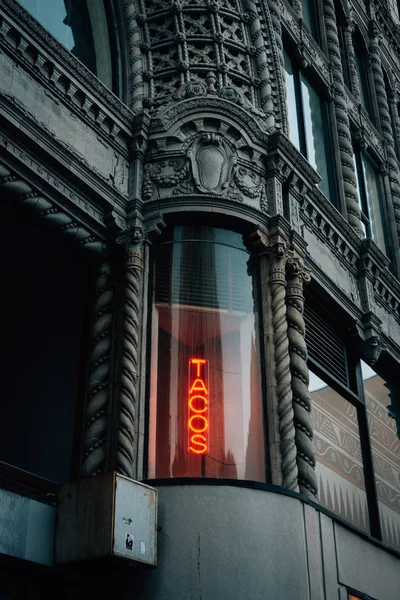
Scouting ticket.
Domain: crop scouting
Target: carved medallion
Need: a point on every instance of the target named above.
(212, 162)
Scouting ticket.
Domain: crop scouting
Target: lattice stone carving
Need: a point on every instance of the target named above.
(187, 39)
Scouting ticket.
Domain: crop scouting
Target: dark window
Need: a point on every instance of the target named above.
(309, 126)
(310, 18)
(362, 74)
(42, 331)
(205, 397)
(356, 441)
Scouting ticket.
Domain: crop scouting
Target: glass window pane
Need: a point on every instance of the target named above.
(309, 16)
(69, 22)
(339, 466)
(385, 442)
(291, 103)
(373, 200)
(362, 80)
(317, 140)
(206, 403)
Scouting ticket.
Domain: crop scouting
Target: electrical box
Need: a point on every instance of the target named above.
(106, 516)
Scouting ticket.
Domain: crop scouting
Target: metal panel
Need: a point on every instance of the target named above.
(84, 519)
(135, 535)
(103, 516)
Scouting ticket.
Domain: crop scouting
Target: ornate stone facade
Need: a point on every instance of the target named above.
(201, 130)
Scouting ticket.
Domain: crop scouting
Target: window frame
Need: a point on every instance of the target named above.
(353, 393)
(364, 76)
(255, 272)
(301, 78)
(360, 158)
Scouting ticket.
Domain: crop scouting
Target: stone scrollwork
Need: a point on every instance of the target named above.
(208, 164)
(98, 388)
(248, 182)
(297, 275)
(160, 177)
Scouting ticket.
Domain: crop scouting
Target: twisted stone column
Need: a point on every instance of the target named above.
(275, 30)
(342, 119)
(277, 282)
(392, 101)
(296, 275)
(386, 123)
(98, 389)
(130, 359)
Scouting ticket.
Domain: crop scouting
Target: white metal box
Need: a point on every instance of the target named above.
(106, 515)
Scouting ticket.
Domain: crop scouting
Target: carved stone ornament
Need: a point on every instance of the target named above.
(213, 163)
(160, 177)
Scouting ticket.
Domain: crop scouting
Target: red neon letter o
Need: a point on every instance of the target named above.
(198, 417)
(194, 409)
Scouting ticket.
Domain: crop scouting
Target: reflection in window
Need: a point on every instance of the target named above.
(385, 442)
(310, 17)
(343, 54)
(369, 191)
(362, 75)
(337, 448)
(81, 26)
(206, 403)
(308, 126)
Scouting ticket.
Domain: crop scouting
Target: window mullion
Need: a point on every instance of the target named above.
(300, 113)
(366, 451)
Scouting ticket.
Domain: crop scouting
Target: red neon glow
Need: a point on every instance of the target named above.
(198, 386)
(199, 428)
(200, 441)
(198, 410)
(198, 407)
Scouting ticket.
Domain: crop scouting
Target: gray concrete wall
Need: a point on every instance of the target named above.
(237, 543)
(26, 528)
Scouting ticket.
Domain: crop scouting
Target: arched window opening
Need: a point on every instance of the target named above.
(205, 397)
(83, 28)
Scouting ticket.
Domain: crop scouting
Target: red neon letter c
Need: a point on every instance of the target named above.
(196, 410)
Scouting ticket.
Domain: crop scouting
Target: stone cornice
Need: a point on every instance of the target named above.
(35, 141)
(342, 297)
(331, 228)
(280, 145)
(65, 76)
(73, 224)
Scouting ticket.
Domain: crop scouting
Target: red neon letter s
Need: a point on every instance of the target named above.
(199, 441)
